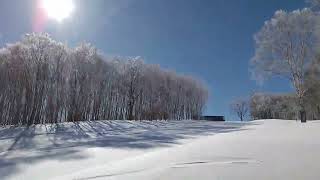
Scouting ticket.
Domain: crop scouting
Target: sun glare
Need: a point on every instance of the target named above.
(58, 9)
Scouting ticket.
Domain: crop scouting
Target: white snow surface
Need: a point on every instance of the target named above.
(162, 150)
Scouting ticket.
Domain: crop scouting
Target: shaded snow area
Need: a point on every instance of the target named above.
(160, 150)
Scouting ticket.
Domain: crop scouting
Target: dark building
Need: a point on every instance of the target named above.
(213, 118)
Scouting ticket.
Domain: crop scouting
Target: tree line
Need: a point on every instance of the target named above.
(45, 81)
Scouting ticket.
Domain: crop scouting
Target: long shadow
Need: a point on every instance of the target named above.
(64, 141)
(23, 139)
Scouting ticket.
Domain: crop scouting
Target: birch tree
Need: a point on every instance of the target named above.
(45, 81)
(313, 87)
(285, 46)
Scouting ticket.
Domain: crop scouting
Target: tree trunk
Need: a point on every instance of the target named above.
(303, 116)
(302, 112)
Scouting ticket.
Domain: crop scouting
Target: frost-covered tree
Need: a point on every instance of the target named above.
(240, 107)
(44, 81)
(273, 106)
(285, 46)
(133, 74)
(315, 4)
(313, 88)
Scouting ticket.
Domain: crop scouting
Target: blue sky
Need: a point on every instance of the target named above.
(210, 39)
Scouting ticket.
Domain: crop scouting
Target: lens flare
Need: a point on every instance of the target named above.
(58, 9)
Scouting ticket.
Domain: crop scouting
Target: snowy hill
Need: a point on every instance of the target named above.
(270, 149)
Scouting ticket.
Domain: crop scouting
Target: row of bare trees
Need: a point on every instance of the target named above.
(281, 106)
(273, 106)
(44, 81)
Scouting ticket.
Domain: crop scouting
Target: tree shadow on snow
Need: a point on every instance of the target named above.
(64, 141)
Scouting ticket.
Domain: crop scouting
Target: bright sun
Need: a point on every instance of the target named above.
(58, 9)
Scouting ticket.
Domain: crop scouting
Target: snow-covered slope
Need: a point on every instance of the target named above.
(270, 149)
